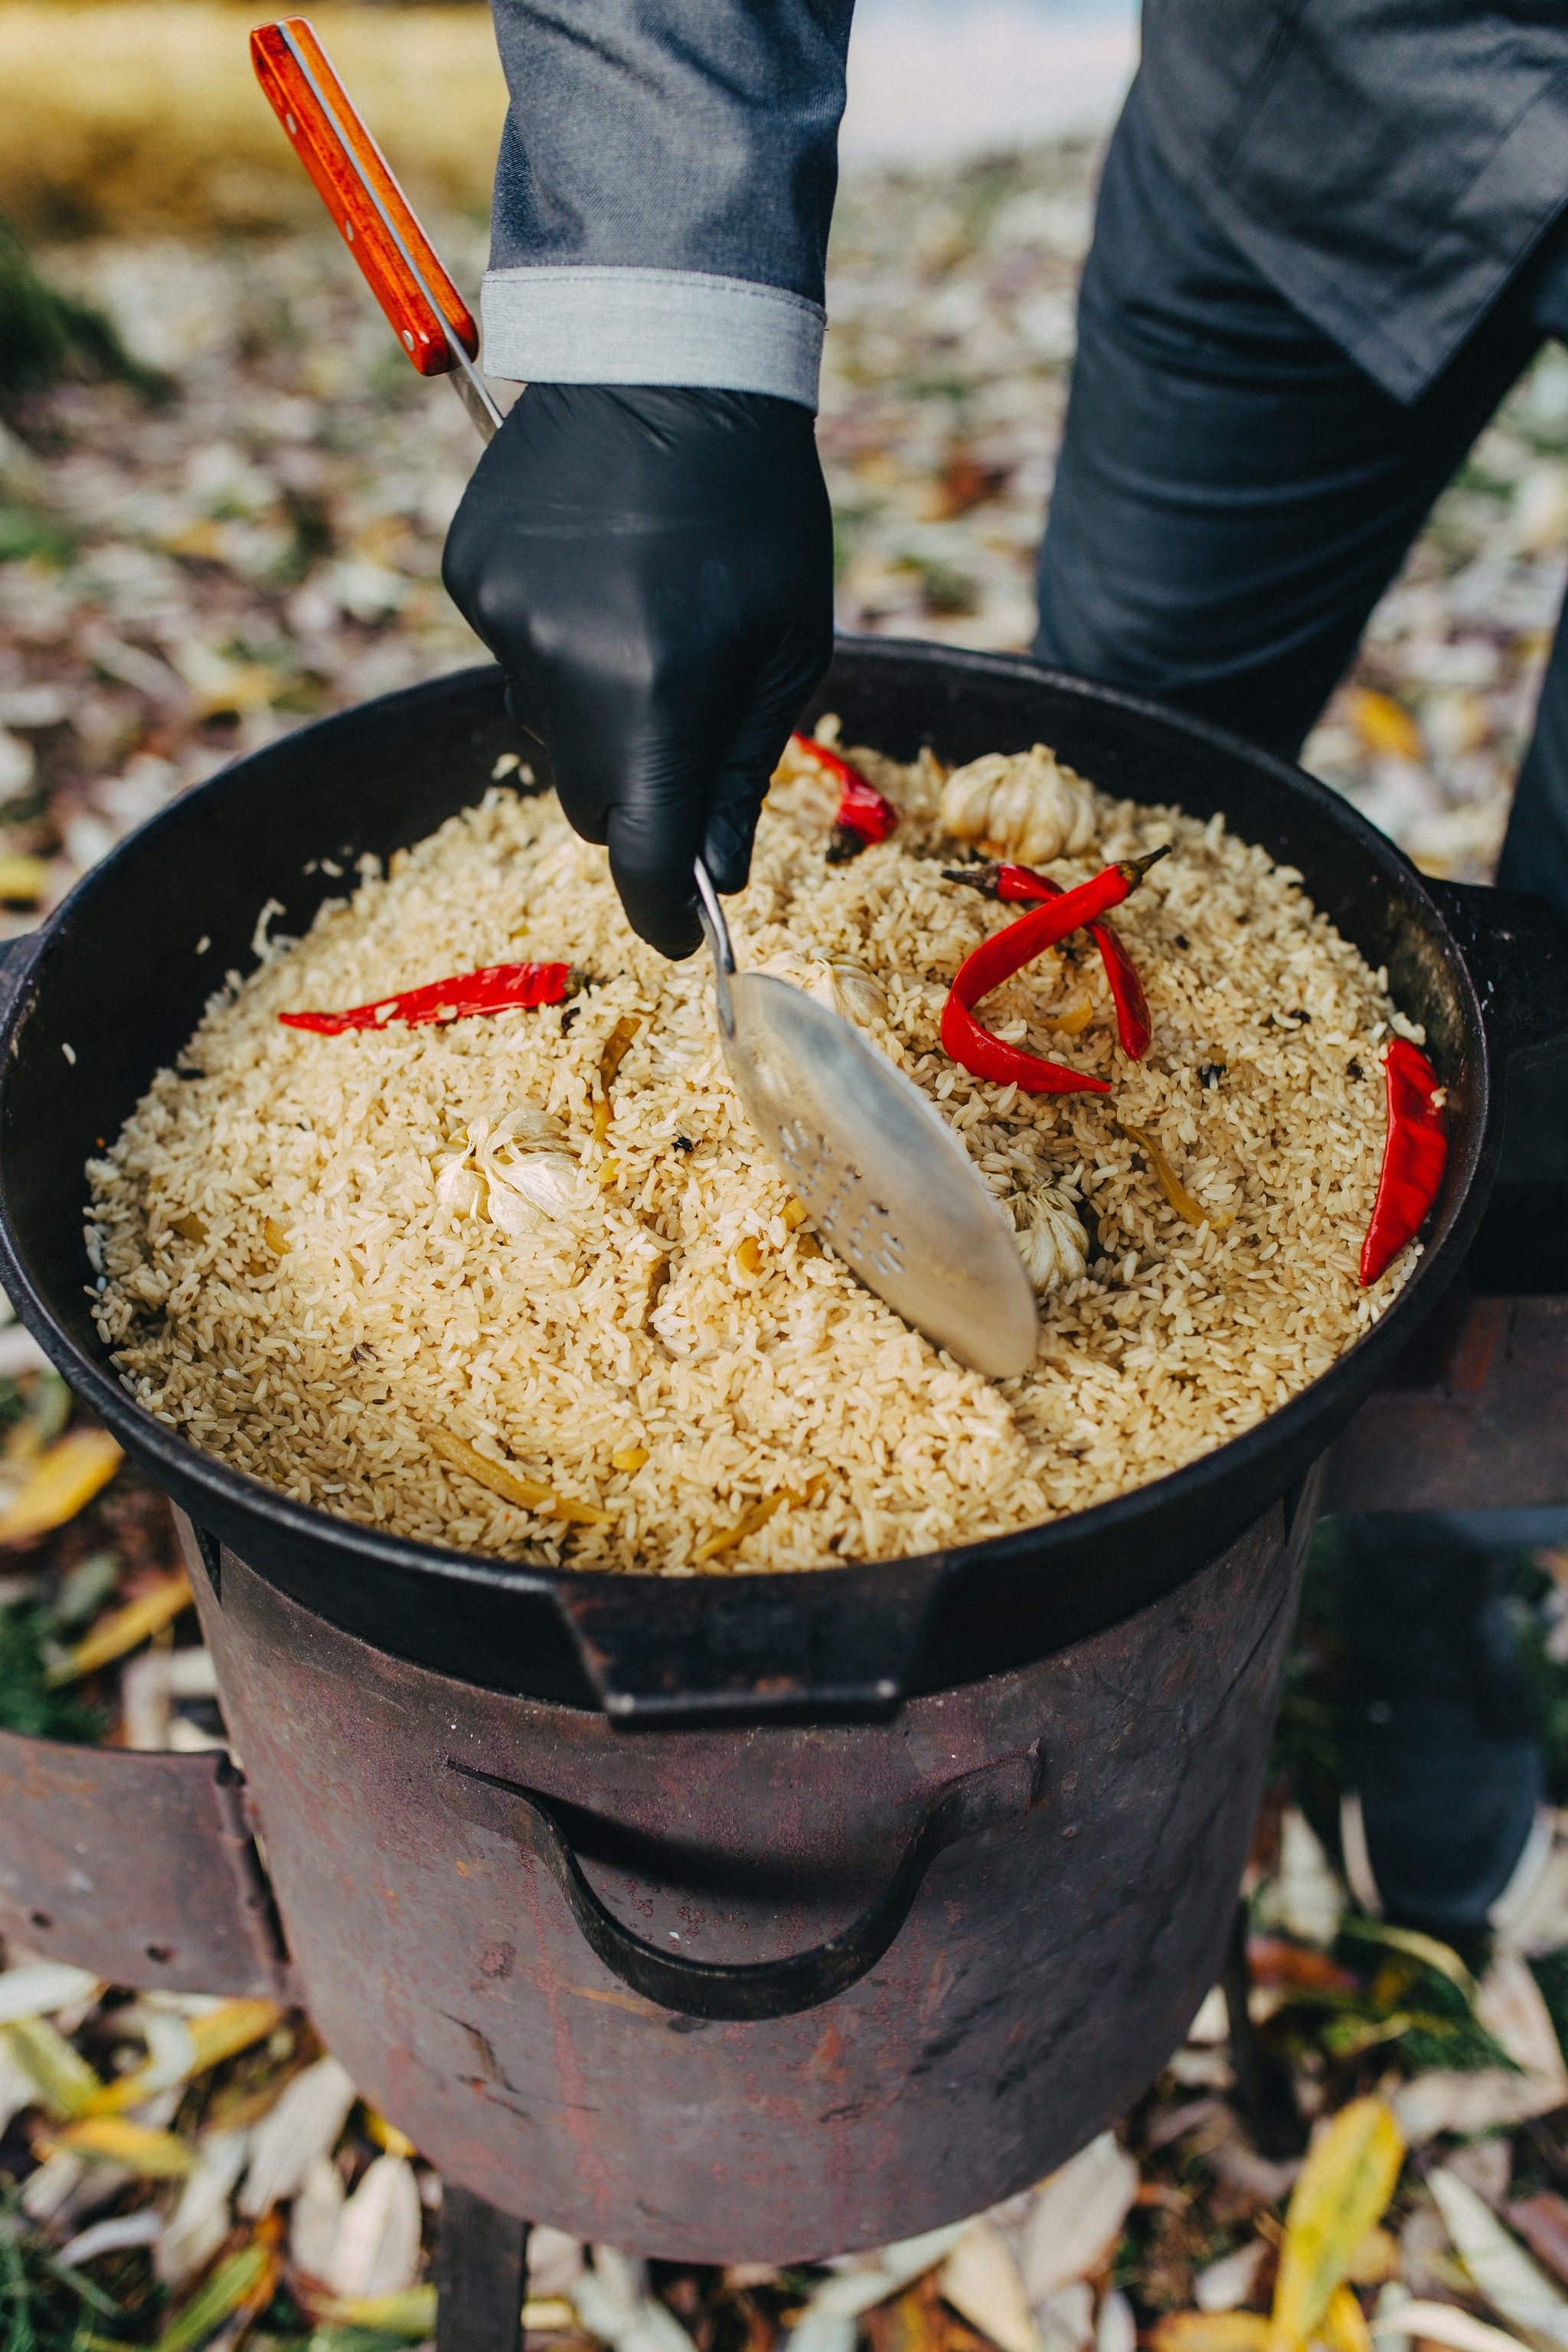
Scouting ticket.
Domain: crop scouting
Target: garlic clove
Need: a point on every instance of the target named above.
(861, 994)
(1051, 1241)
(460, 1190)
(846, 989)
(547, 1181)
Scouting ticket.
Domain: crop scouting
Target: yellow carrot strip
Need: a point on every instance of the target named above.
(748, 1524)
(66, 2082)
(273, 1235)
(221, 2034)
(60, 1483)
(1077, 1017)
(124, 1629)
(113, 2139)
(510, 1484)
(629, 1457)
(614, 1052)
(1350, 2174)
(1183, 1202)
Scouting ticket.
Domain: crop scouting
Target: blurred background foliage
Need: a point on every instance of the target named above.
(141, 116)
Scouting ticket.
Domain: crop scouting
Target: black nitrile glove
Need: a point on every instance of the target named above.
(653, 570)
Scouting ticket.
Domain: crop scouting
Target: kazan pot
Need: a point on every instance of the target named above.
(753, 1915)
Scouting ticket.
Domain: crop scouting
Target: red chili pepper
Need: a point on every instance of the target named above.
(1413, 1157)
(1012, 884)
(497, 988)
(1005, 952)
(862, 811)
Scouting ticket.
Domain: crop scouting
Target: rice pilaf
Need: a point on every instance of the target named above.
(321, 1263)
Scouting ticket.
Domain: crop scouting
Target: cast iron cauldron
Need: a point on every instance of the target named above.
(911, 1873)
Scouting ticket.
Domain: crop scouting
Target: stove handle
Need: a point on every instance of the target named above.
(1517, 953)
(715, 1991)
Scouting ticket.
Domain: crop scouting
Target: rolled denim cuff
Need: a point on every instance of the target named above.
(551, 325)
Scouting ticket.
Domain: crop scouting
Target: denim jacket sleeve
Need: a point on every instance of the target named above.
(664, 190)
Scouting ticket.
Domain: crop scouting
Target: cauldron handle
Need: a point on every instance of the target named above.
(756, 1989)
(1517, 953)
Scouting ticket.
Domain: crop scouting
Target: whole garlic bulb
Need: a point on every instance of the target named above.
(1051, 1241)
(510, 1173)
(1021, 805)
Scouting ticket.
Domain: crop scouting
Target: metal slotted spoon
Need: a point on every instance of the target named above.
(882, 1179)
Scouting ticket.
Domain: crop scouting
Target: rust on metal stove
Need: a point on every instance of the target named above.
(1061, 1842)
(140, 1868)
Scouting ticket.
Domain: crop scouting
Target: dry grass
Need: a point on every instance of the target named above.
(128, 119)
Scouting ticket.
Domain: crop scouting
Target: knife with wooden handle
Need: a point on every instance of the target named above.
(356, 183)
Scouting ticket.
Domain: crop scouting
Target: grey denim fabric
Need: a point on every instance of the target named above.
(1386, 164)
(649, 136)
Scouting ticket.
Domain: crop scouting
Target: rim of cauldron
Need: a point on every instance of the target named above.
(1190, 1514)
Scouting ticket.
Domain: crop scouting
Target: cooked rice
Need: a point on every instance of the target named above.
(671, 1356)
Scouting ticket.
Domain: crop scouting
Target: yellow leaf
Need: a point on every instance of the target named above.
(23, 880)
(124, 1629)
(1376, 2260)
(247, 2279)
(225, 2031)
(61, 1484)
(1425, 1948)
(1383, 724)
(66, 2083)
(1345, 2185)
(1344, 2327)
(411, 2312)
(388, 2136)
(551, 2315)
(222, 2033)
(1211, 2331)
(111, 2139)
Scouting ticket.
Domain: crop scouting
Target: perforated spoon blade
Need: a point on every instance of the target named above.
(883, 1182)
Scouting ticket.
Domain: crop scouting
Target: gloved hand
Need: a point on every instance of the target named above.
(653, 570)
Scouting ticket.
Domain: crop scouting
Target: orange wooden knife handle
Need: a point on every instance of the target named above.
(349, 173)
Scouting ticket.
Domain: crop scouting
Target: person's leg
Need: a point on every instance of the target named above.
(1446, 1766)
(1232, 495)
(1535, 849)
(1232, 498)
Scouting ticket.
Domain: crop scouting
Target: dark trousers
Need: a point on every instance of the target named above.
(1232, 498)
